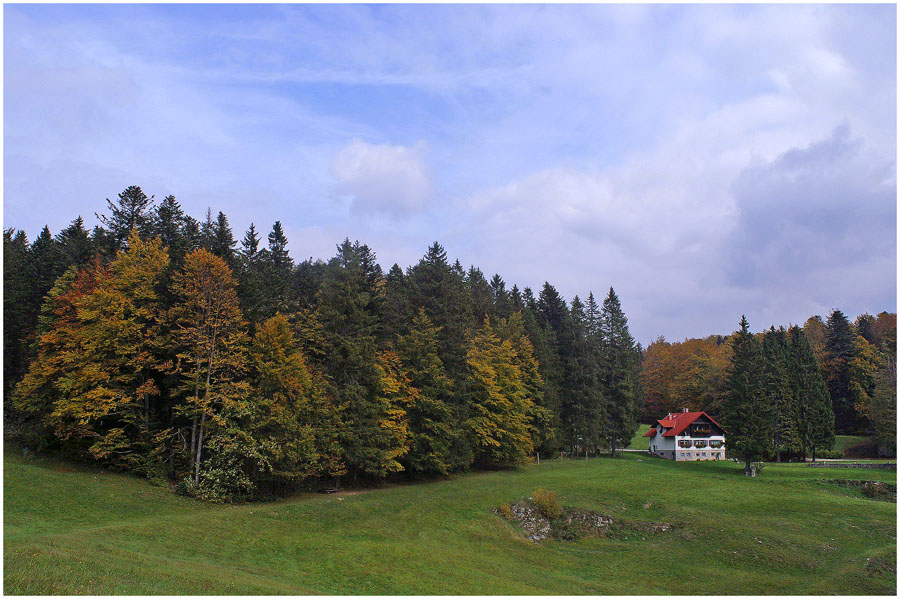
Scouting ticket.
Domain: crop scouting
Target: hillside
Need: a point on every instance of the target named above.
(77, 530)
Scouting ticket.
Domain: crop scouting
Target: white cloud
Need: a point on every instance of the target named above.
(389, 179)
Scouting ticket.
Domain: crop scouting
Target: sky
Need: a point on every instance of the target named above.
(706, 161)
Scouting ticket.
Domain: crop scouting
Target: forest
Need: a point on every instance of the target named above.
(158, 344)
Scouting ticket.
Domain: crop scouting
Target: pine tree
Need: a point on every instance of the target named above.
(619, 373)
(747, 415)
(480, 295)
(398, 312)
(881, 408)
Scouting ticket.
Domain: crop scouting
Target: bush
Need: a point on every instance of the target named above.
(546, 503)
(505, 510)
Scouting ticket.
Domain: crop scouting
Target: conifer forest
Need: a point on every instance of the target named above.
(167, 346)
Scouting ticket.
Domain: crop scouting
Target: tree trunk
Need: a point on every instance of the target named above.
(194, 442)
(614, 448)
(199, 450)
(748, 471)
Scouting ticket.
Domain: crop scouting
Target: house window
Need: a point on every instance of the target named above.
(716, 443)
(700, 443)
(684, 443)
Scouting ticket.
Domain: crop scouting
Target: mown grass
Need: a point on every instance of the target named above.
(78, 530)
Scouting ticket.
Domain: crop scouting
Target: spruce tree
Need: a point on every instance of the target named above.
(169, 223)
(619, 373)
(748, 416)
(132, 210)
(223, 240)
(839, 352)
(429, 410)
(779, 391)
(17, 309)
(74, 245)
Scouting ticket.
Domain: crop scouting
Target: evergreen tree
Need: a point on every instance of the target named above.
(251, 274)
(398, 312)
(351, 312)
(778, 391)
(17, 309)
(839, 352)
(618, 374)
(169, 226)
(440, 288)
(223, 240)
(132, 210)
(480, 294)
(502, 302)
(748, 416)
(816, 416)
(74, 245)
(278, 265)
(428, 409)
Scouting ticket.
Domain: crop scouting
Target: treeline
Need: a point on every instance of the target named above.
(158, 344)
(830, 377)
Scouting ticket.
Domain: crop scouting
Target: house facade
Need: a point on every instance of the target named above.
(687, 436)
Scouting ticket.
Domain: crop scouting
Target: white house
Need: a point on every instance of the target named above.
(687, 436)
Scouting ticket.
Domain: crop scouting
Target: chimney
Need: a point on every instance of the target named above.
(684, 410)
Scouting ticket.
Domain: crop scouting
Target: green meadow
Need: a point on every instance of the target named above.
(71, 529)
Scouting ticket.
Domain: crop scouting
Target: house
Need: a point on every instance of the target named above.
(687, 436)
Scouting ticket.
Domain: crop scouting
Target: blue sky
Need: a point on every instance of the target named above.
(706, 161)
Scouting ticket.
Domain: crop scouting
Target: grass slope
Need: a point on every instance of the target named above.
(77, 530)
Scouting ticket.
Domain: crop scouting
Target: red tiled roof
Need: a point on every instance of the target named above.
(650, 433)
(681, 420)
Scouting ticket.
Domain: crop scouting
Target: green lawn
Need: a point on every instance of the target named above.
(77, 530)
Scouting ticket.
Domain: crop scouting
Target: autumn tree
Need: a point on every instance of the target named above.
(499, 400)
(210, 347)
(291, 421)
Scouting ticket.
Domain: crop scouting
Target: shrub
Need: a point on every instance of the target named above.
(546, 503)
(505, 510)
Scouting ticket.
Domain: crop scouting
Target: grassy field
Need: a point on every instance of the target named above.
(842, 442)
(639, 441)
(78, 530)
